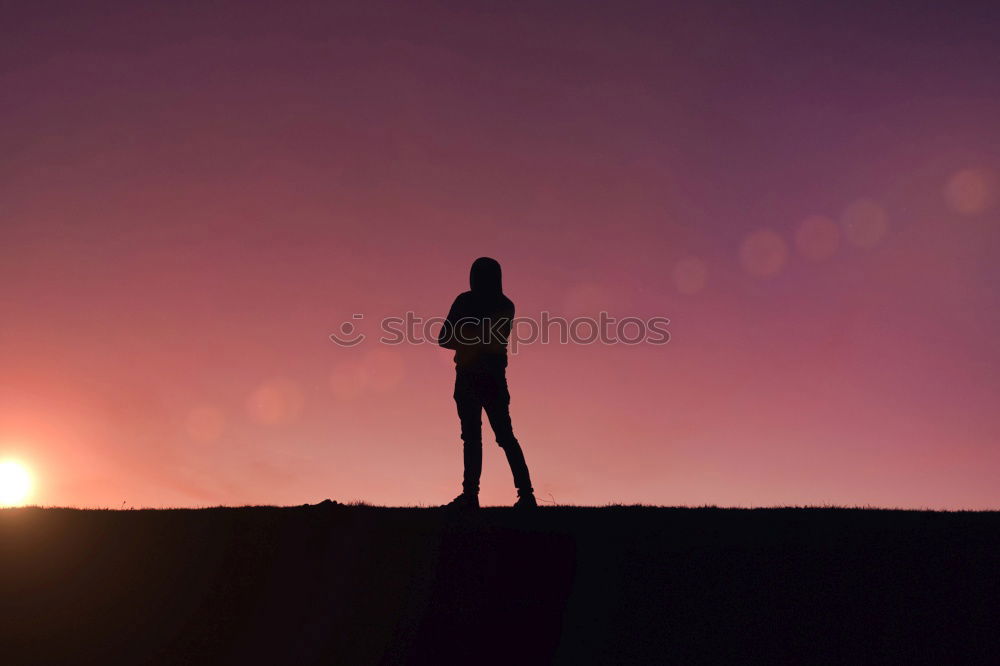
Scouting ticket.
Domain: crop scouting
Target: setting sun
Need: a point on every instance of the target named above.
(15, 483)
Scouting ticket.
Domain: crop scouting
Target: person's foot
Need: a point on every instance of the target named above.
(525, 501)
(464, 501)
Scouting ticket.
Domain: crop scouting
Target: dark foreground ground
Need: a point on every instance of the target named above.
(362, 585)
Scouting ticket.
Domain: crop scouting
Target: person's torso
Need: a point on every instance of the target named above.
(482, 327)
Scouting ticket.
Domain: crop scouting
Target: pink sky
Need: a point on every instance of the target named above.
(192, 199)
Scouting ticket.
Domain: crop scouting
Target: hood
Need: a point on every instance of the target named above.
(485, 278)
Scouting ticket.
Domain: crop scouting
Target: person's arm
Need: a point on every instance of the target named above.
(500, 328)
(446, 338)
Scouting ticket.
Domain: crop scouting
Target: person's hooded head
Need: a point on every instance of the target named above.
(485, 277)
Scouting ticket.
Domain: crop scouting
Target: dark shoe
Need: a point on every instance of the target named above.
(464, 501)
(526, 501)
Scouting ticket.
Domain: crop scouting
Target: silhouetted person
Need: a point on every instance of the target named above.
(477, 328)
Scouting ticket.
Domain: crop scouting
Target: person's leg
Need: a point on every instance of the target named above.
(470, 412)
(496, 401)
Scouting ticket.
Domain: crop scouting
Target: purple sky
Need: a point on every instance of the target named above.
(194, 195)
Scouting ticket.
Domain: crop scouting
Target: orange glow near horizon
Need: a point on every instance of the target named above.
(15, 483)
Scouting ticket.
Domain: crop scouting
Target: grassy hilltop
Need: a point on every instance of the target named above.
(615, 585)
